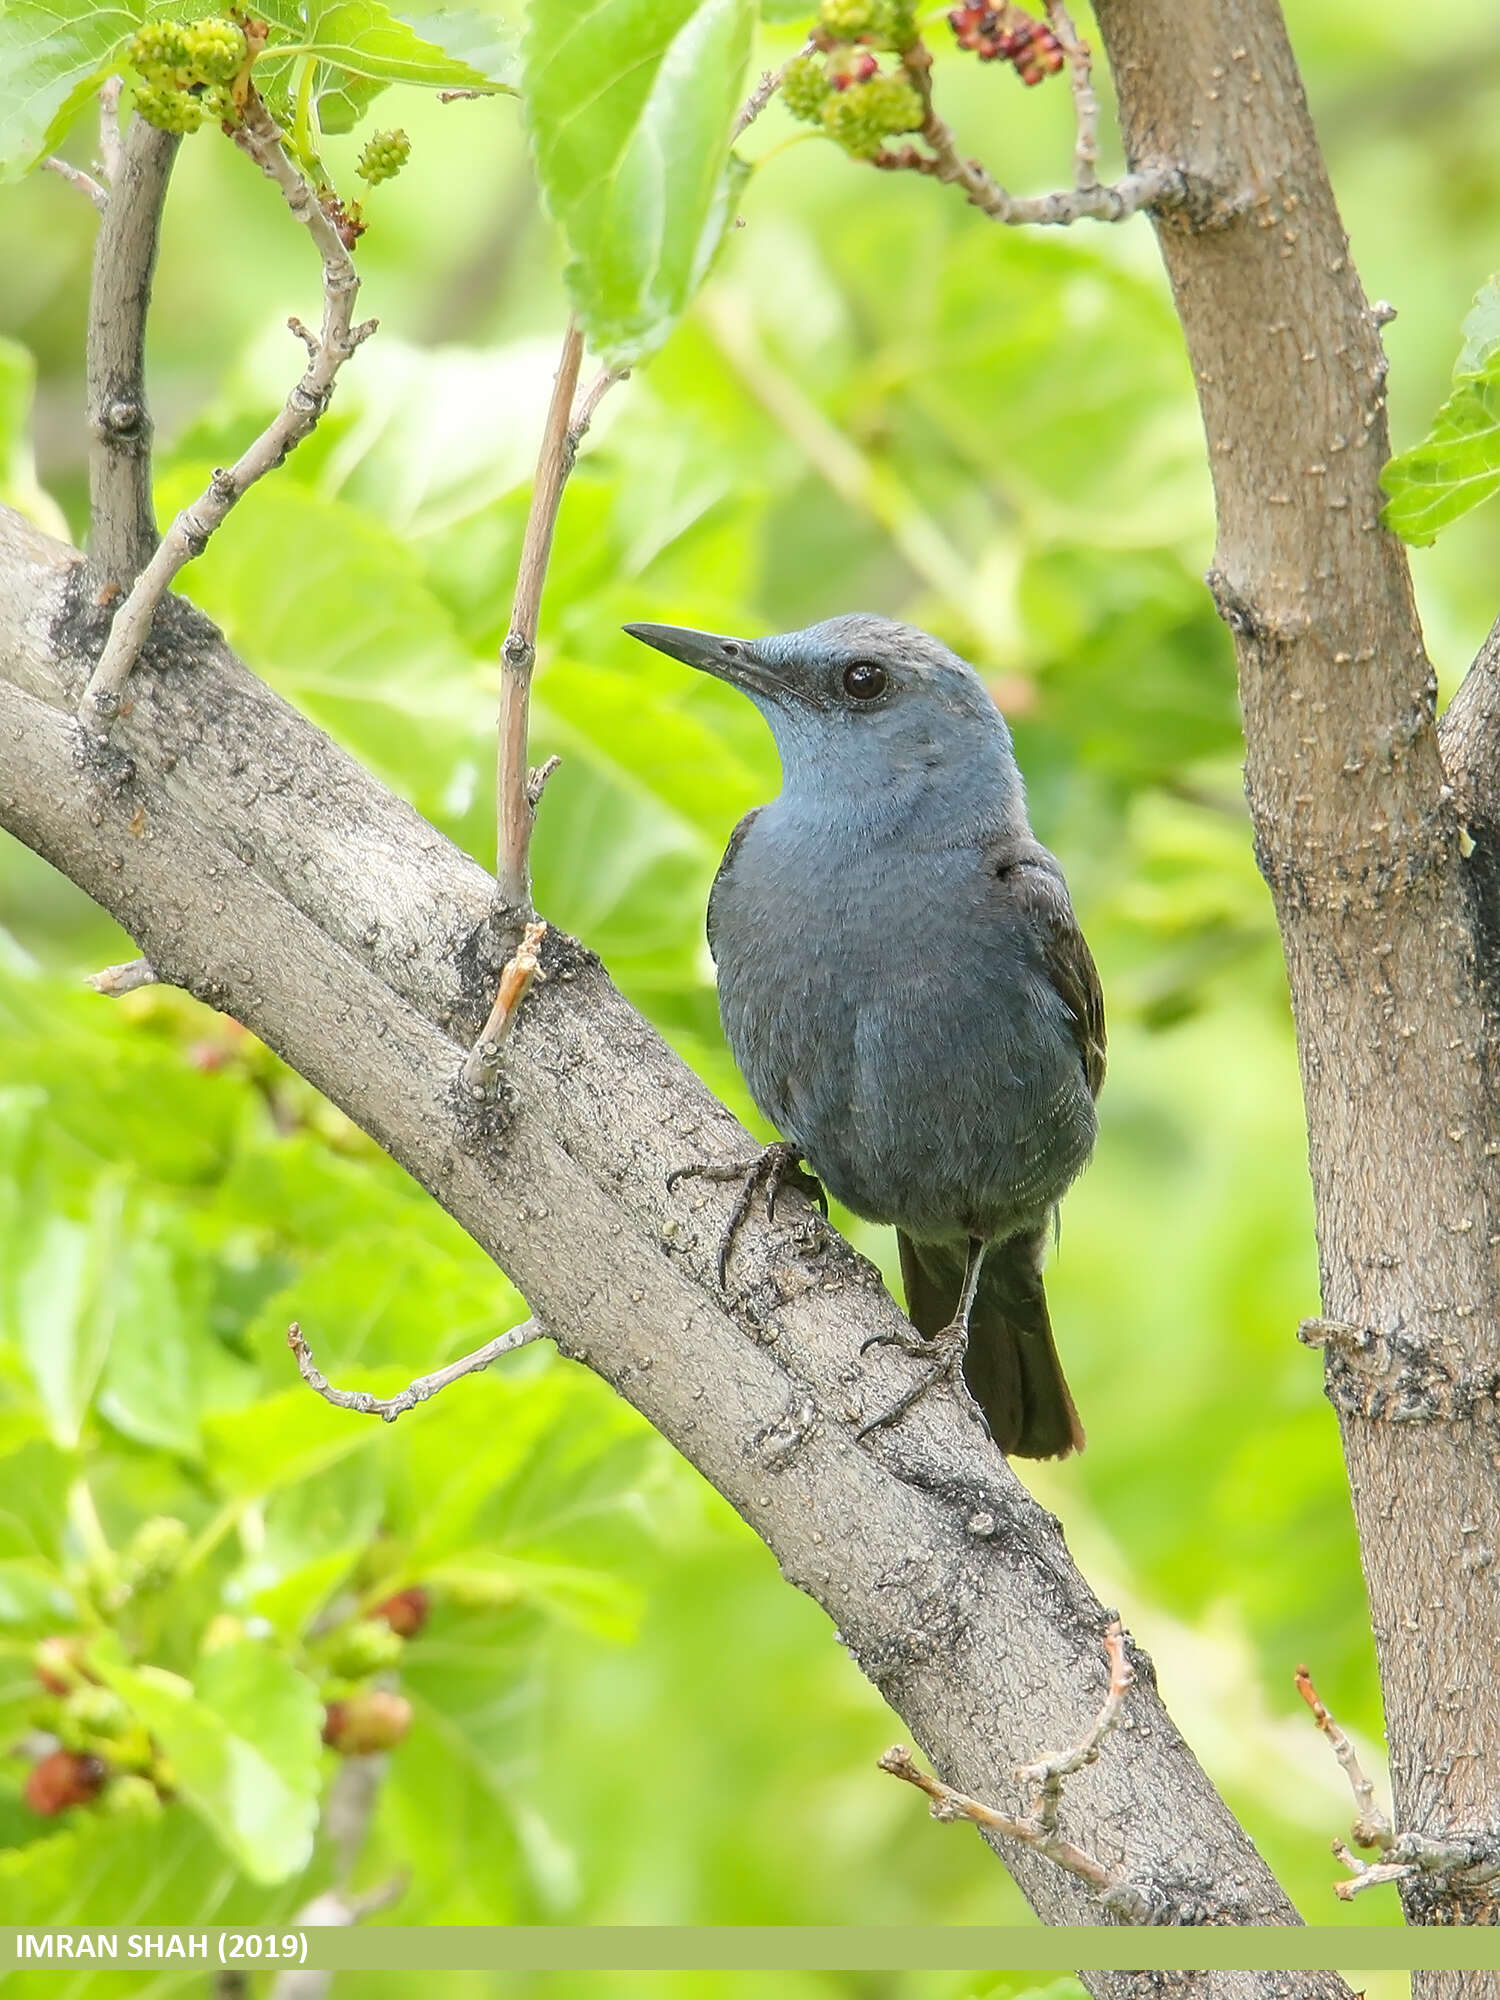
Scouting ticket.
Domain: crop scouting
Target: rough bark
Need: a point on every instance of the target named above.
(1358, 839)
(259, 867)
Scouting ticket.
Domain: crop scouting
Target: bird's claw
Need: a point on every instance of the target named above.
(775, 1165)
(944, 1353)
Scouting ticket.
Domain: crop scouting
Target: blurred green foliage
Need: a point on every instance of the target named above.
(620, 1712)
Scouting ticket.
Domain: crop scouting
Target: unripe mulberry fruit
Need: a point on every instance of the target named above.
(130, 1796)
(365, 1648)
(384, 155)
(156, 1548)
(216, 50)
(168, 110)
(161, 52)
(57, 1663)
(804, 86)
(846, 20)
(91, 1712)
(63, 1778)
(406, 1612)
(861, 117)
(366, 1722)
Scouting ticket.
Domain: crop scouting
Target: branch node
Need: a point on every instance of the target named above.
(537, 779)
(515, 983)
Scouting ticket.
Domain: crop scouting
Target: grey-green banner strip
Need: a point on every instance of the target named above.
(645, 1948)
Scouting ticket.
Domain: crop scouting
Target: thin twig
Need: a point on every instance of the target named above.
(111, 145)
(1037, 1827)
(515, 981)
(1150, 188)
(1047, 1773)
(770, 82)
(1473, 1859)
(1371, 1827)
(122, 519)
(258, 135)
(1085, 102)
(388, 1408)
(518, 655)
(114, 980)
(76, 177)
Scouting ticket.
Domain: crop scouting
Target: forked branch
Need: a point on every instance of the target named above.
(327, 351)
(1037, 1824)
(1473, 1859)
(1152, 187)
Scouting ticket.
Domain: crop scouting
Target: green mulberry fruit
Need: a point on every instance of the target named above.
(216, 50)
(862, 117)
(168, 110)
(90, 1713)
(161, 53)
(846, 20)
(804, 88)
(366, 1647)
(158, 1546)
(385, 154)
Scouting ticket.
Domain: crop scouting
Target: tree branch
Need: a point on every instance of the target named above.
(285, 885)
(1037, 1825)
(77, 178)
(1357, 837)
(513, 809)
(424, 1388)
(1154, 186)
(122, 521)
(327, 351)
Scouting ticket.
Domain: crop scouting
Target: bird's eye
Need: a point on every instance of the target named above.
(864, 680)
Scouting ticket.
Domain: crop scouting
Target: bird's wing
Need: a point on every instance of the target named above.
(736, 841)
(1032, 884)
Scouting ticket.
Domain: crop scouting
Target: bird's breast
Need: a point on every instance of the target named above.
(897, 1029)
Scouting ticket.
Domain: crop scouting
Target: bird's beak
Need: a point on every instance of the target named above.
(731, 660)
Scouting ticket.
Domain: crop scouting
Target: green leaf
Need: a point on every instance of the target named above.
(18, 481)
(631, 104)
(364, 39)
(54, 54)
(1457, 465)
(244, 1742)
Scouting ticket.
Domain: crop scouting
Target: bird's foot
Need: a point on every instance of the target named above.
(774, 1166)
(944, 1354)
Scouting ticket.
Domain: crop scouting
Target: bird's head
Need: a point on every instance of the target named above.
(858, 704)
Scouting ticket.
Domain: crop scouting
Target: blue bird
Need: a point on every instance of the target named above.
(907, 993)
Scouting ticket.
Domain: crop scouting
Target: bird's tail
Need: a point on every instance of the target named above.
(1011, 1366)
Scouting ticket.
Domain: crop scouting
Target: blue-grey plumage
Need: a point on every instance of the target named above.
(903, 984)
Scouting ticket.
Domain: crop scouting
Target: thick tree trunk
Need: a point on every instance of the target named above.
(1358, 839)
(260, 868)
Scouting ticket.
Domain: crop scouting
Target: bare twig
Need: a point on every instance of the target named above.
(128, 978)
(770, 82)
(1152, 187)
(122, 522)
(1371, 1828)
(1037, 1825)
(257, 134)
(76, 177)
(1085, 102)
(515, 981)
(1471, 1858)
(514, 817)
(388, 1408)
